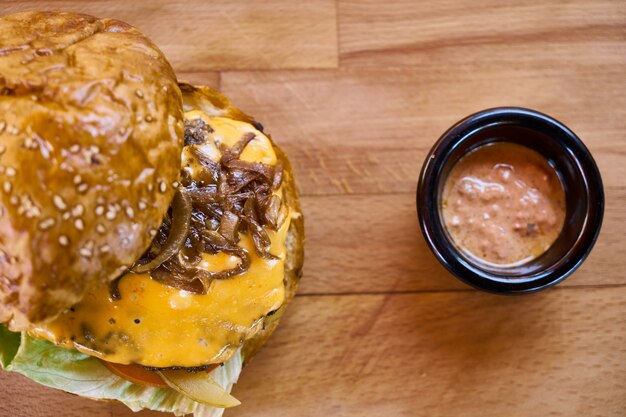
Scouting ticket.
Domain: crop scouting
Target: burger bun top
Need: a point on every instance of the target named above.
(91, 128)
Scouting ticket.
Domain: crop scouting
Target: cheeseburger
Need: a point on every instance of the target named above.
(150, 233)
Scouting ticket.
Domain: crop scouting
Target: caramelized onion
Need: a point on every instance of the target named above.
(198, 280)
(208, 215)
(213, 168)
(181, 216)
(237, 181)
(206, 194)
(165, 277)
(206, 277)
(277, 180)
(259, 236)
(272, 209)
(265, 170)
(114, 289)
(235, 152)
(229, 227)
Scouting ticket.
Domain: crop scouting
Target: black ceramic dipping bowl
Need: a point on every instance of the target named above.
(579, 176)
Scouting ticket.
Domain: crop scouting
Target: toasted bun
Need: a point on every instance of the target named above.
(213, 103)
(91, 130)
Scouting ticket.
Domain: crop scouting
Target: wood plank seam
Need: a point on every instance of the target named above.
(405, 193)
(452, 290)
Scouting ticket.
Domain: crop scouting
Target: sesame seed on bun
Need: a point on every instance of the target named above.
(91, 129)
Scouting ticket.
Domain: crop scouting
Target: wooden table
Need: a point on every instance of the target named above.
(357, 92)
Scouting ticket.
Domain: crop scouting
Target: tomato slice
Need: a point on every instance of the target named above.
(136, 374)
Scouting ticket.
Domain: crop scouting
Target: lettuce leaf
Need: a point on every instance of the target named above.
(9, 343)
(75, 372)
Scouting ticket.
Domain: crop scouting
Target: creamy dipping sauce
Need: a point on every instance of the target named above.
(503, 203)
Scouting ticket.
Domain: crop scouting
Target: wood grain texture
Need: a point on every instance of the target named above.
(372, 243)
(198, 35)
(210, 79)
(356, 92)
(469, 354)
(368, 131)
(486, 34)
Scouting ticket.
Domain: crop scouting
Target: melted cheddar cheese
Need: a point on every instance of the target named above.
(160, 326)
